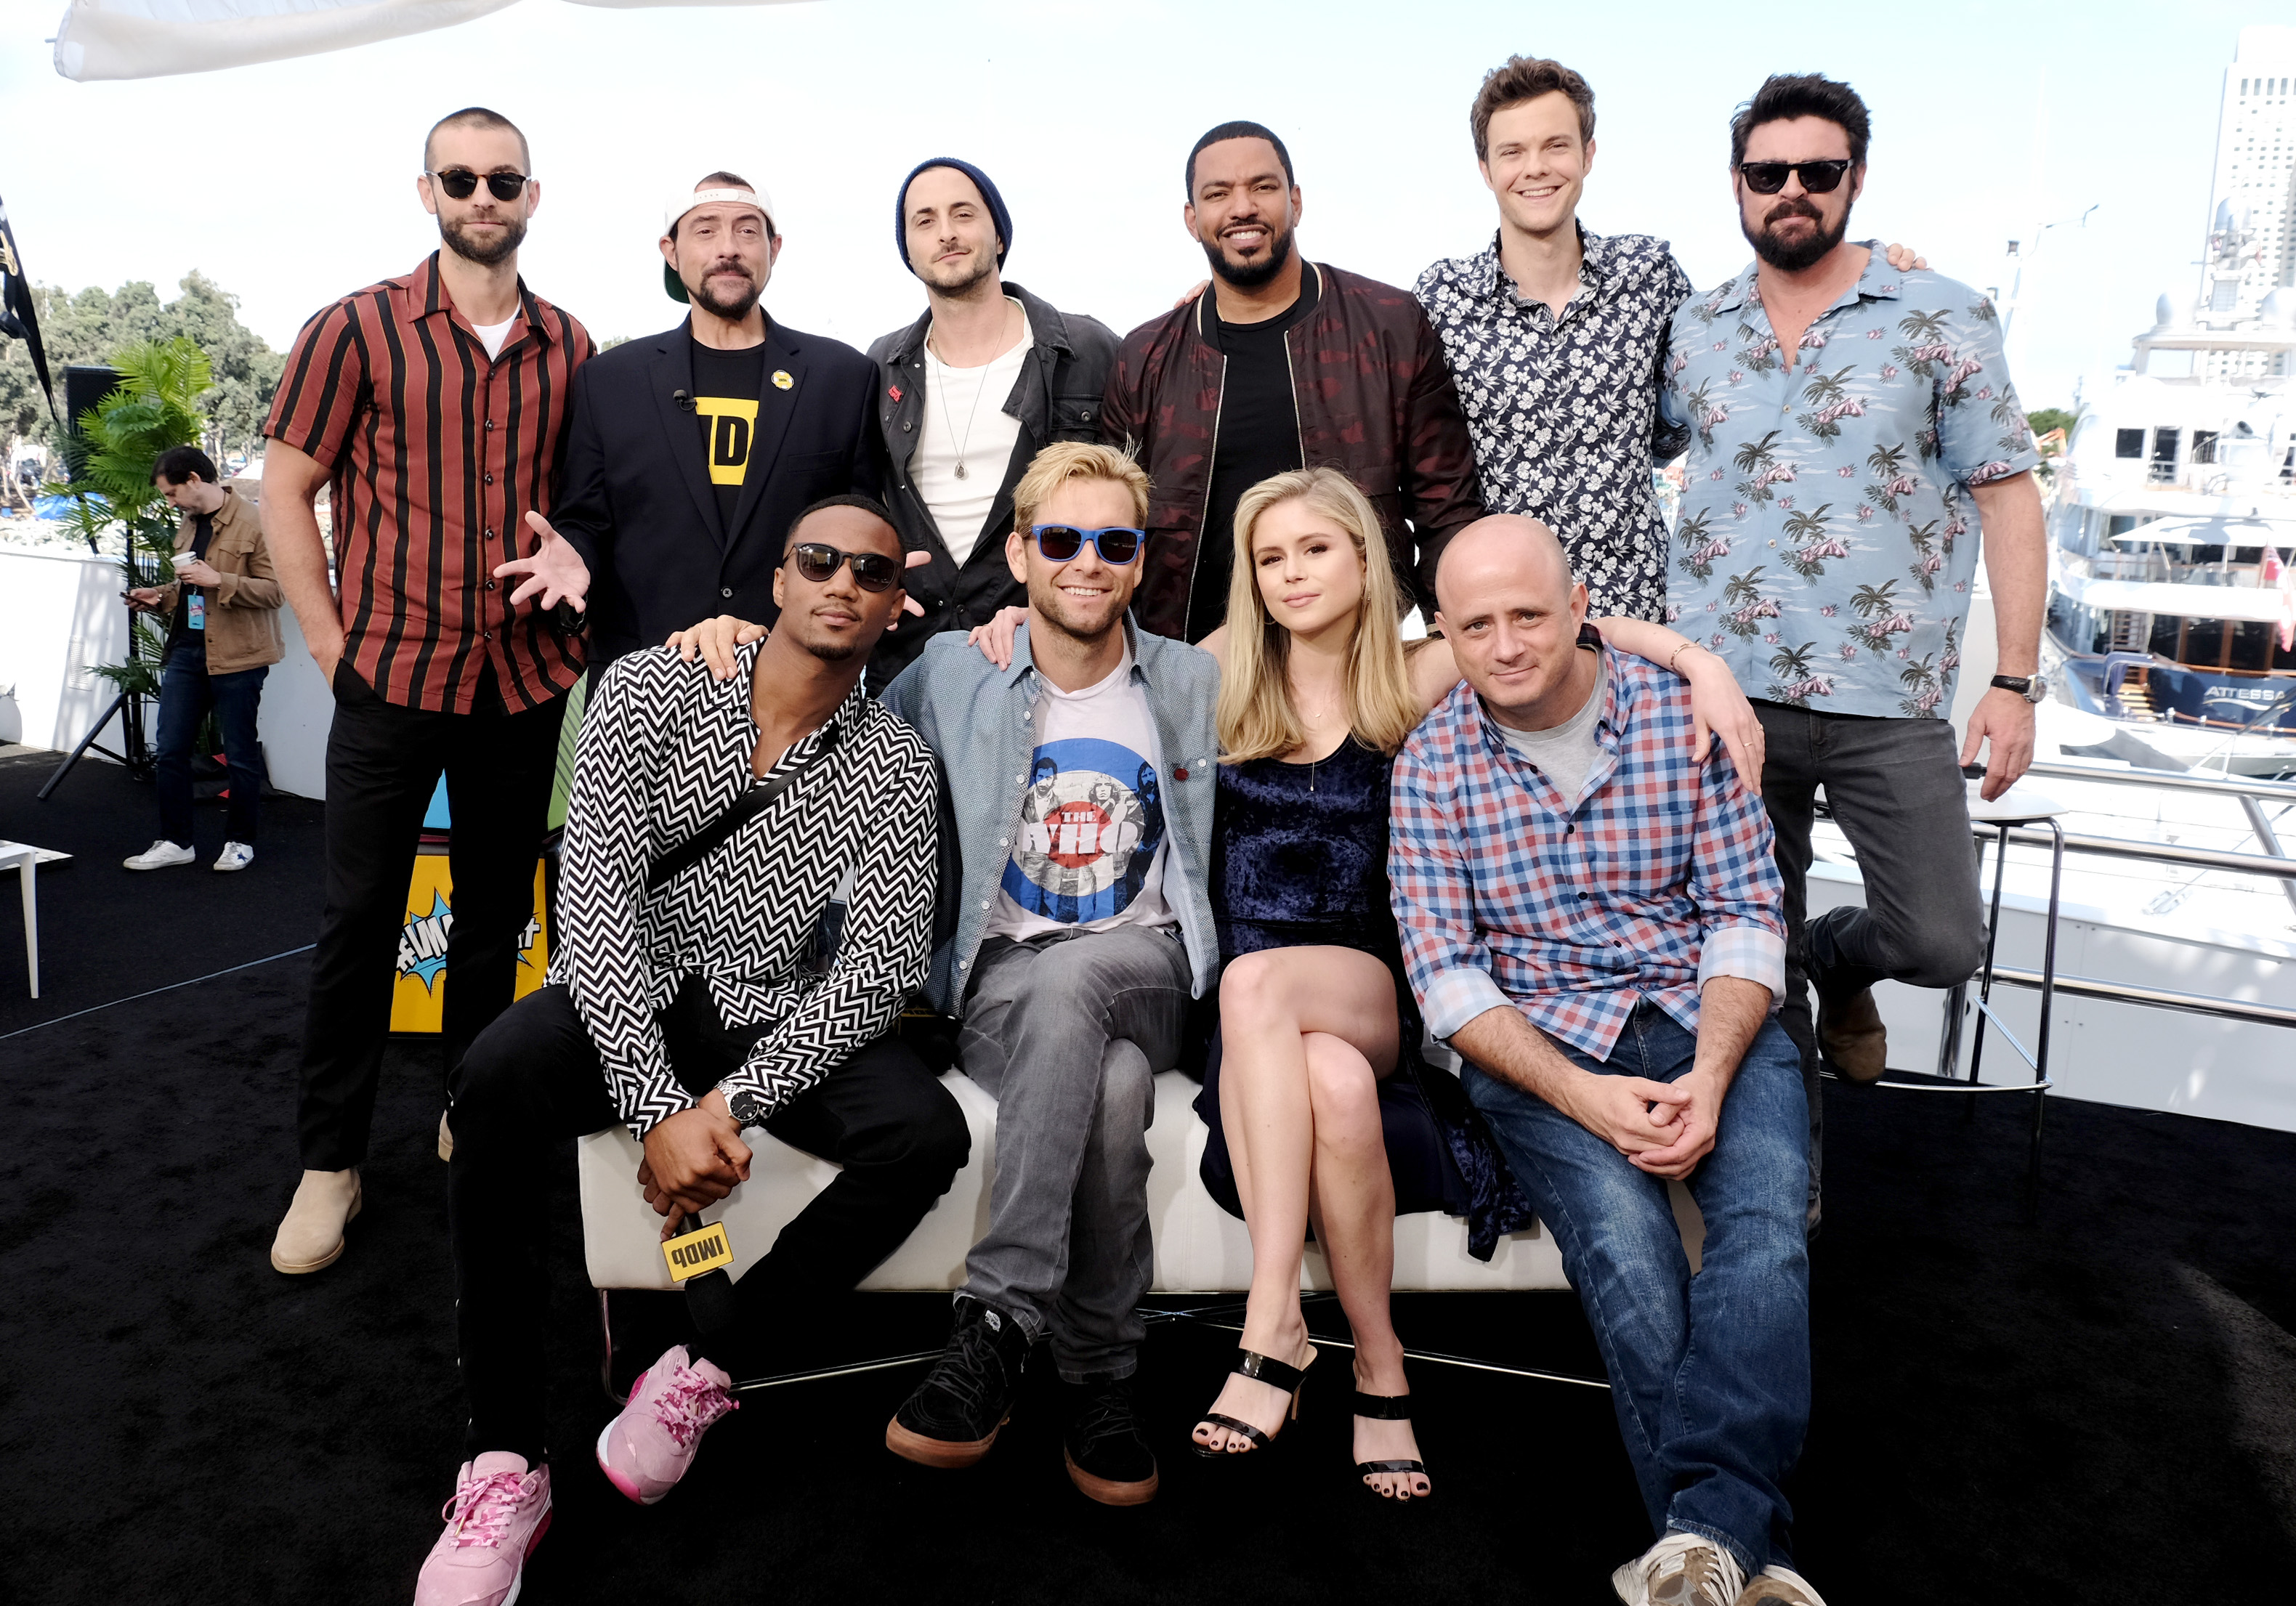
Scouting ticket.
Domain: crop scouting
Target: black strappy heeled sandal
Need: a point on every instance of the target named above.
(1388, 1408)
(1262, 1369)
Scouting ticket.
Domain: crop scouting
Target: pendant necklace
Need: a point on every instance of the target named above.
(947, 427)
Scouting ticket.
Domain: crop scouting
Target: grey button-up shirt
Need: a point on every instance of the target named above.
(978, 720)
(1564, 411)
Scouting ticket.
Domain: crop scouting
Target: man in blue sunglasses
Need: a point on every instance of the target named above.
(1080, 780)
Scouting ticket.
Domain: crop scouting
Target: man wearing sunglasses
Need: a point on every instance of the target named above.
(967, 395)
(689, 451)
(746, 899)
(1853, 428)
(1284, 364)
(1080, 779)
(435, 403)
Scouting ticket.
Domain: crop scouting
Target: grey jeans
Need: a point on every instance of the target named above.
(1067, 1032)
(1895, 787)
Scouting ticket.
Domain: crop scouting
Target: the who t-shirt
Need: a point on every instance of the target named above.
(1090, 852)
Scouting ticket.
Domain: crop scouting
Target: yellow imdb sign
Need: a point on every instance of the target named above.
(690, 1254)
(419, 991)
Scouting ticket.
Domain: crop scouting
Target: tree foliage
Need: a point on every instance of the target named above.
(91, 325)
(155, 405)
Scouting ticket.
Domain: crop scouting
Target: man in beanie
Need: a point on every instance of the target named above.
(689, 452)
(986, 378)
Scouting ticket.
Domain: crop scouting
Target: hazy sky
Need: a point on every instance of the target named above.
(292, 182)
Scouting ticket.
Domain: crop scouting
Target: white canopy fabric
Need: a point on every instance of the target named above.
(154, 38)
(2270, 530)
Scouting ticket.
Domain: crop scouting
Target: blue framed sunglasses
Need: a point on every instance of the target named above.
(1117, 545)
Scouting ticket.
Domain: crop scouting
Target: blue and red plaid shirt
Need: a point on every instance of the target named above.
(1659, 876)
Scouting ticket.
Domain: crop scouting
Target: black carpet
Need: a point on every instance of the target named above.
(2101, 1407)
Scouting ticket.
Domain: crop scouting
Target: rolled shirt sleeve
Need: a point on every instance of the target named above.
(1981, 433)
(1734, 884)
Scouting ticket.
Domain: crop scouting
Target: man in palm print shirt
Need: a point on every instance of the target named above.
(1852, 428)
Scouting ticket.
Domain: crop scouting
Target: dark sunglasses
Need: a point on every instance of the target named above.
(459, 181)
(1117, 544)
(817, 560)
(1768, 178)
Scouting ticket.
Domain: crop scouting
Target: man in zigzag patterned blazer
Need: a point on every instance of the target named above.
(707, 981)
(1080, 780)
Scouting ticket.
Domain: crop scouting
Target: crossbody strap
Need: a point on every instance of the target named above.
(748, 807)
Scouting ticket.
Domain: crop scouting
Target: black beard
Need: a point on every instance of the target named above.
(485, 256)
(1252, 276)
(833, 652)
(733, 311)
(1792, 256)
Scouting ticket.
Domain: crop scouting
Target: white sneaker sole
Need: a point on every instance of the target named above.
(626, 1491)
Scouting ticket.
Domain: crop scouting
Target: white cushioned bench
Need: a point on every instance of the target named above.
(1200, 1248)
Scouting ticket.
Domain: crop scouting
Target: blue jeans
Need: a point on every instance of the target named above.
(1709, 1374)
(186, 691)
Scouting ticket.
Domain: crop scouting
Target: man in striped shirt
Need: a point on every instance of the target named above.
(432, 405)
(1592, 918)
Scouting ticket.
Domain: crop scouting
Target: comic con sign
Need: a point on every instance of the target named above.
(418, 992)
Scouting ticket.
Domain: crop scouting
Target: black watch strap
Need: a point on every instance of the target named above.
(2019, 683)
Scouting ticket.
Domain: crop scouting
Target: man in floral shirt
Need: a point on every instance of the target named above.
(1853, 427)
(1556, 339)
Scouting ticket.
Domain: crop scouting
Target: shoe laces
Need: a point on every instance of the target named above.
(1107, 1414)
(689, 1403)
(965, 1374)
(1712, 1573)
(479, 1513)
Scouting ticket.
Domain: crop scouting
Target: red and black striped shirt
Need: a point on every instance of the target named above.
(436, 453)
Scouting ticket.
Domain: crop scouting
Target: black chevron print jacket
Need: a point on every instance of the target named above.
(664, 751)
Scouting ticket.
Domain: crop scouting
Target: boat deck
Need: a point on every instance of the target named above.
(2005, 1412)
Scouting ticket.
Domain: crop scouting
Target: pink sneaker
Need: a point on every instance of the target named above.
(499, 1513)
(645, 1450)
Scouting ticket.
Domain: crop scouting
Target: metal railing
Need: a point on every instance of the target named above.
(2253, 795)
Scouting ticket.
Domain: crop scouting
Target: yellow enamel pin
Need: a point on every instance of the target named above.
(782, 380)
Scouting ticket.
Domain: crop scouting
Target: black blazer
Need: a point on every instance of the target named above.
(637, 500)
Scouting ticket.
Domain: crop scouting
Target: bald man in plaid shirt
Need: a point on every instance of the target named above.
(1590, 916)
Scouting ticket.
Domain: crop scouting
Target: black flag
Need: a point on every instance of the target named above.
(18, 317)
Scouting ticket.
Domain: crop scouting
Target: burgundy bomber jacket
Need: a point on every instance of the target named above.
(1375, 402)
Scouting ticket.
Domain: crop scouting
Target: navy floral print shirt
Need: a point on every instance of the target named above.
(1564, 411)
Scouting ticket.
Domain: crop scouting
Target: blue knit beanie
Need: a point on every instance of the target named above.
(996, 203)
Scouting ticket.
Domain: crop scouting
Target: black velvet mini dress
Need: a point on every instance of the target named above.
(1299, 859)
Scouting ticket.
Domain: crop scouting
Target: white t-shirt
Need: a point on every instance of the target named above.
(965, 421)
(495, 335)
(1090, 853)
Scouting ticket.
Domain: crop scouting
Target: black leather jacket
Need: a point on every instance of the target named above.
(1057, 399)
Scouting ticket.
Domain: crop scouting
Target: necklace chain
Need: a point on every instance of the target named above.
(948, 427)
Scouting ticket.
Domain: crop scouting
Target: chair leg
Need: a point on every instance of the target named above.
(2048, 1012)
(606, 1346)
(31, 922)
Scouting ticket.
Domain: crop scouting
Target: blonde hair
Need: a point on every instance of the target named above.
(1067, 460)
(1255, 716)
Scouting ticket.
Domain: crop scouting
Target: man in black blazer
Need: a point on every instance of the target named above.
(689, 452)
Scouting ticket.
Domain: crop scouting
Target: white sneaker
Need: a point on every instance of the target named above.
(1780, 1586)
(160, 855)
(235, 856)
(1681, 1569)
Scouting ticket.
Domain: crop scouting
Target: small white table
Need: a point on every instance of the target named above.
(24, 858)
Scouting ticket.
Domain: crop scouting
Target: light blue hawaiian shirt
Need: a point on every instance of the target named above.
(1827, 537)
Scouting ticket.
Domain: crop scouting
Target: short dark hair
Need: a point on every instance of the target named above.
(475, 117)
(855, 499)
(721, 180)
(179, 464)
(1238, 130)
(1520, 79)
(1784, 96)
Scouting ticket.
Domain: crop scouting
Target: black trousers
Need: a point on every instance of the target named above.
(383, 763)
(532, 1081)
